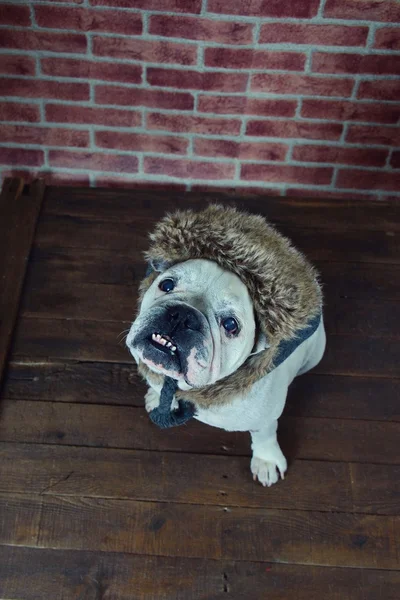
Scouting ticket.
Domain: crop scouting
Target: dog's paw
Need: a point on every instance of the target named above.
(151, 399)
(266, 471)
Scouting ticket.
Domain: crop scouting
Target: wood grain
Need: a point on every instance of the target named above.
(311, 395)
(72, 267)
(19, 210)
(130, 427)
(130, 205)
(96, 502)
(58, 300)
(72, 575)
(200, 531)
(192, 479)
(98, 341)
(63, 231)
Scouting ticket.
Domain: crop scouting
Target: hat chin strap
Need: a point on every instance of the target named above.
(163, 416)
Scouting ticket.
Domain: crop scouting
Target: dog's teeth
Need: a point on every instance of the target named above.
(173, 348)
(163, 341)
(169, 344)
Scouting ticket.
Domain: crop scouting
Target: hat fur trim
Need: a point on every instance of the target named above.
(281, 282)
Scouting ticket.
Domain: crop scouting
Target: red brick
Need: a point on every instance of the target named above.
(194, 28)
(67, 113)
(192, 124)
(301, 9)
(83, 19)
(38, 88)
(387, 38)
(188, 169)
(368, 10)
(93, 161)
(12, 14)
(368, 180)
(381, 64)
(343, 110)
(380, 89)
(16, 111)
(367, 157)
(140, 142)
(148, 51)
(246, 58)
(300, 33)
(113, 181)
(395, 160)
(43, 40)
(243, 105)
(49, 177)
(65, 179)
(178, 6)
(21, 156)
(313, 193)
(286, 174)
(108, 71)
(27, 175)
(46, 136)
(369, 134)
(301, 84)
(107, 94)
(242, 150)
(12, 64)
(391, 197)
(198, 80)
(293, 129)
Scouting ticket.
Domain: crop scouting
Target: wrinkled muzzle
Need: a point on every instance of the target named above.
(176, 340)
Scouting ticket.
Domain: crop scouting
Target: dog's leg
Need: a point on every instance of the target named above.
(268, 458)
(151, 399)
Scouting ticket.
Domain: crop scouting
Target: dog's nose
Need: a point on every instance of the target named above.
(183, 317)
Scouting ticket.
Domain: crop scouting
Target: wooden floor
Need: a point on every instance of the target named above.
(97, 504)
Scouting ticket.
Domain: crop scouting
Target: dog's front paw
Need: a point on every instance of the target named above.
(151, 399)
(266, 469)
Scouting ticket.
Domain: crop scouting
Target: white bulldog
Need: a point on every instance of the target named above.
(233, 349)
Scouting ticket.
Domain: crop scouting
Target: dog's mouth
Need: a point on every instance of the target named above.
(164, 343)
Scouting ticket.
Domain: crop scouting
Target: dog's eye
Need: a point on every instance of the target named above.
(230, 325)
(167, 285)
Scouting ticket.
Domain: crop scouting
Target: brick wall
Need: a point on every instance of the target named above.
(294, 97)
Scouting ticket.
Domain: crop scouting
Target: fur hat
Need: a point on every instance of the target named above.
(281, 282)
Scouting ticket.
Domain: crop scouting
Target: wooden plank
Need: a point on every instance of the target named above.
(89, 301)
(193, 479)
(128, 205)
(19, 211)
(311, 395)
(98, 341)
(198, 531)
(96, 383)
(178, 478)
(72, 575)
(129, 427)
(347, 355)
(88, 265)
(75, 232)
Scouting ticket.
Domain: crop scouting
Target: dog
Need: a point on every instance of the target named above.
(231, 347)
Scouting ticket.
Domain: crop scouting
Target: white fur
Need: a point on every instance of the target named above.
(207, 287)
(258, 412)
